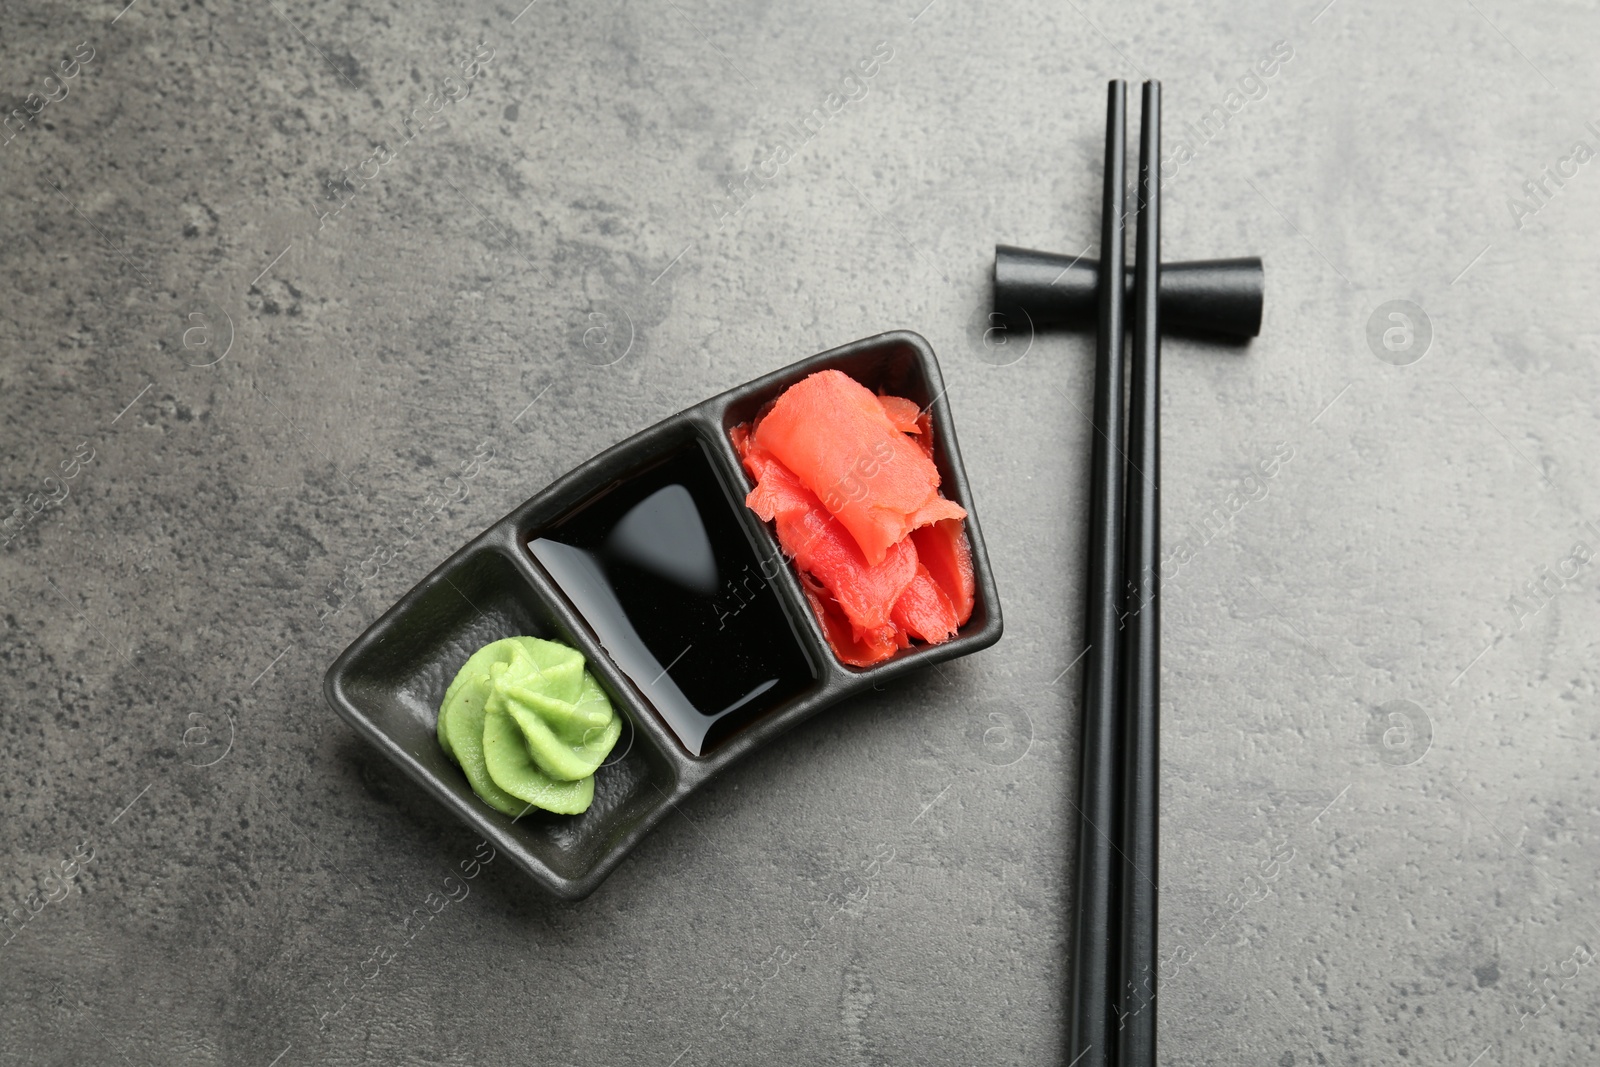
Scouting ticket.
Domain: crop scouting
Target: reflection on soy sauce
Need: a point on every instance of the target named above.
(662, 571)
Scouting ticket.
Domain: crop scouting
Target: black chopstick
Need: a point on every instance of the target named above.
(1090, 1018)
(1141, 649)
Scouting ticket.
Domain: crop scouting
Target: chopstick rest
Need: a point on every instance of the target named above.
(1206, 296)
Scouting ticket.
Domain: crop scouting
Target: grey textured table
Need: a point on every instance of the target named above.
(244, 427)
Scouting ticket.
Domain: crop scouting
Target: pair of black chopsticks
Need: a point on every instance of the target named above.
(1112, 1017)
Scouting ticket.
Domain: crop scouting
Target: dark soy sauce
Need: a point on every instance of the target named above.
(662, 571)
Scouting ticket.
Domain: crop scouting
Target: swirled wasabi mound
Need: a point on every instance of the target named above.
(529, 726)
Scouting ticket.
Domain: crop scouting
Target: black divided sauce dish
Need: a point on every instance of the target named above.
(646, 560)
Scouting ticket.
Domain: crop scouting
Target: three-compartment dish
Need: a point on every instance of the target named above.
(683, 603)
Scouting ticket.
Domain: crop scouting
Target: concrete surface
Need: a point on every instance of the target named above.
(238, 422)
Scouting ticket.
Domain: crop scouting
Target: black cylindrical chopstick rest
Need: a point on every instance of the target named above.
(1141, 635)
(1207, 296)
(1090, 1017)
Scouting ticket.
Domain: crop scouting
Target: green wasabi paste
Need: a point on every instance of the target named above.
(529, 725)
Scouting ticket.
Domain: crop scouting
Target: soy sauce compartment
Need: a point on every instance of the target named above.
(659, 566)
